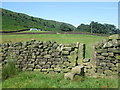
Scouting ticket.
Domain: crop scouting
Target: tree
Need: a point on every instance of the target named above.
(65, 27)
(110, 28)
(83, 28)
(52, 26)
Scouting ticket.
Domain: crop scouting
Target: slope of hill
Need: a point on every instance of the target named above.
(16, 21)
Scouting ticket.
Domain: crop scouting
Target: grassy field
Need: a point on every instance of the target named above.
(59, 38)
(32, 31)
(40, 80)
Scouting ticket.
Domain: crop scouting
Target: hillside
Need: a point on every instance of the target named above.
(16, 21)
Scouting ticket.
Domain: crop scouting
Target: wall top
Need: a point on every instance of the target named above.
(115, 36)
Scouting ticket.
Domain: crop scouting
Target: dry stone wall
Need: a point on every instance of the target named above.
(43, 56)
(48, 56)
(106, 56)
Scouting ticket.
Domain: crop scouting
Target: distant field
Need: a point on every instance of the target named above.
(32, 31)
(7, 30)
(59, 38)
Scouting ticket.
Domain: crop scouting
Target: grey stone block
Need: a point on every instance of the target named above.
(47, 56)
(36, 70)
(76, 70)
(108, 72)
(67, 48)
(69, 76)
(65, 52)
(105, 54)
(100, 57)
(44, 70)
(115, 36)
(29, 69)
(86, 60)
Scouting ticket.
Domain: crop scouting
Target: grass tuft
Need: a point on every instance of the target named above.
(9, 69)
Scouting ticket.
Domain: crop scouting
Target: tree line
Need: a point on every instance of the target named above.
(93, 27)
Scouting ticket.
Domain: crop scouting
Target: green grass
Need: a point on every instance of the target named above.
(40, 80)
(32, 31)
(12, 21)
(59, 38)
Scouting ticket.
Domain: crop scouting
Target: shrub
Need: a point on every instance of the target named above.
(9, 70)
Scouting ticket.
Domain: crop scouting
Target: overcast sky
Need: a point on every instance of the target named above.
(70, 12)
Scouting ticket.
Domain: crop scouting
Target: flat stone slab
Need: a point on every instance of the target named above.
(115, 36)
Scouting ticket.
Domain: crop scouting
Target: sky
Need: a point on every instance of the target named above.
(74, 13)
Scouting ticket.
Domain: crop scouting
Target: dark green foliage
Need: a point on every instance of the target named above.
(95, 27)
(84, 28)
(17, 21)
(65, 27)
